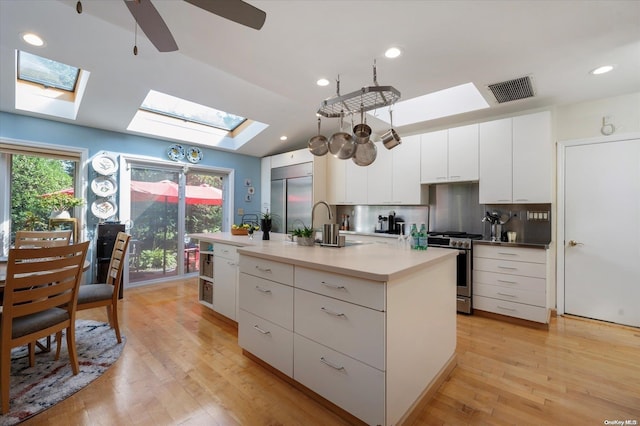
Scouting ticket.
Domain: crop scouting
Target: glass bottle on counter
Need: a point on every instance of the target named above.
(423, 237)
(414, 236)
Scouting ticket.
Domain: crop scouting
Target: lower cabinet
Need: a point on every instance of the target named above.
(353, 385)
(225, 280)
(511, 281)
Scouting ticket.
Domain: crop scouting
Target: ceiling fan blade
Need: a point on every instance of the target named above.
(150, 21)
(234, 10)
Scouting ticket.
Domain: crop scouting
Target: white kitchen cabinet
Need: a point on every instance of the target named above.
(532, 158)
(266, 304)
(225, 280)
(516, 160)
(449, 155)
(380, 175)
(355, 183)
(495, 162)
(336, 181)
(406, 188)
(290, 158)
(511, 281)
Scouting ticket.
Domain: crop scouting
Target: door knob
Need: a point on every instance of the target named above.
(573, 243)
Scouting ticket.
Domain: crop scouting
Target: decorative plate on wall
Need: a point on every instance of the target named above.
(194, 154)
(103, 208)
(104, 164)
(104, 186)
(175, 152)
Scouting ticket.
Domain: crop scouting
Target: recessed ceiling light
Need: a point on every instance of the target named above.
(392, 52)
(283, 138)
(322, 82)
(33, 39)
(602, 70)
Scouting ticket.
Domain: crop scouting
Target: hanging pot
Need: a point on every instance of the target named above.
(341, 144)
(391, 139)
(365, 154)
(318, 145)
(362, 131)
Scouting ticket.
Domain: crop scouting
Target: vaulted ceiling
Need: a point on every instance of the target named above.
(270, 75)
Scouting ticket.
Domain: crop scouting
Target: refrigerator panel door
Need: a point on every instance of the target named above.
(278, 210)
(299, 202)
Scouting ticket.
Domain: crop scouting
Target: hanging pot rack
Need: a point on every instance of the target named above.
(359, 101)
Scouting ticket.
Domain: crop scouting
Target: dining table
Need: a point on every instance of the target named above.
(3, 270)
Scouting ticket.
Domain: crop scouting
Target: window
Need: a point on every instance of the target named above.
(26, 175)
(47, 72)
(171, 106)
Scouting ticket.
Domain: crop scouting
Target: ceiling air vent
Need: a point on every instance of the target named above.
(512, 90)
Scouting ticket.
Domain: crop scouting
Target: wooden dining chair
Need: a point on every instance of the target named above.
(39, 239)
(40, 295)
(107, 294)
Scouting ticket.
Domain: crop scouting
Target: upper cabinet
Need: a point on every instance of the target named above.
(291, 158)
(450, 155)
(393, 178)
(516, 160)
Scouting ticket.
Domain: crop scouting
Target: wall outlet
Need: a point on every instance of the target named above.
(240, 211)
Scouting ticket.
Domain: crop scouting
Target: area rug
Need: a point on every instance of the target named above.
(49, 382)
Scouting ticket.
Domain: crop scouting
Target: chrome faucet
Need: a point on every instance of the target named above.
(313, 209)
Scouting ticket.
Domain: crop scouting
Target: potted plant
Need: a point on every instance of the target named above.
(265, 224)
(59, 203)
(305, 236)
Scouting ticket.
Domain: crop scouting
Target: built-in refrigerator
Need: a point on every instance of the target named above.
(291, 197)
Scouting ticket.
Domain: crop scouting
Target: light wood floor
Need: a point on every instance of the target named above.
(181, 365)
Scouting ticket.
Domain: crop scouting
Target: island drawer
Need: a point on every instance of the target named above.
(510, 281)
(536, 298)
(267, 299)
(512, 309)
(519, 254)
(266, 340)
(226, 251)
(351, 329)
(348, 383)
(351, 289)
(499, 266)
(267, 269)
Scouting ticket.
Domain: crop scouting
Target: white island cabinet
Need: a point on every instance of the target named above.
(369, 329)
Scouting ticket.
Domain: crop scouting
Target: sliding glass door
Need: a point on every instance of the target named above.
(166, 205)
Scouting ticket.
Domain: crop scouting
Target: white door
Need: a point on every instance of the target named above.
(602, 231)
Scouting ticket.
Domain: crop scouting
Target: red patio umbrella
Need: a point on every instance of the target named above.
(167, 191)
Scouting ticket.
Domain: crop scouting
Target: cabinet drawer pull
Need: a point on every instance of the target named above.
(330, 312)
(263, 269)
(231, 263)
(263, 290)
(504, 199)
(334, 286)
(506, 294)
(507, 254)
(507, 267)
(261, 330)
(454, 177)
(508, 282)
(506, 309)
(330, 364)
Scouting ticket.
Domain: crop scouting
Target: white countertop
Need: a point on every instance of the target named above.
(378, 262)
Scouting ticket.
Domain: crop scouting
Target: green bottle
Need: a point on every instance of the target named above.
(423, 237)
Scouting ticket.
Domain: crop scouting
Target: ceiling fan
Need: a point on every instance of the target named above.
(148, 18)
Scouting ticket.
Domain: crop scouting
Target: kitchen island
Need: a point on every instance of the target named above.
(370, 328)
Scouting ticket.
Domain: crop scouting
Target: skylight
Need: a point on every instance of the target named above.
(47, 72)
(171, 106)
(48, 87)
(443, 103)
(169, 117)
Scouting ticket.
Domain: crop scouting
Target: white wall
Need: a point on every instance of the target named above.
(584, 120)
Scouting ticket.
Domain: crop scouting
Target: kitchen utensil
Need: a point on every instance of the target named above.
(365, 154)
(329, 233)
(318, 145)
(341, 144)
(391, 139)
(362, 131)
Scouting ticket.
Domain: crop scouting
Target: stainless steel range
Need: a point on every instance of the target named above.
(460, 241)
